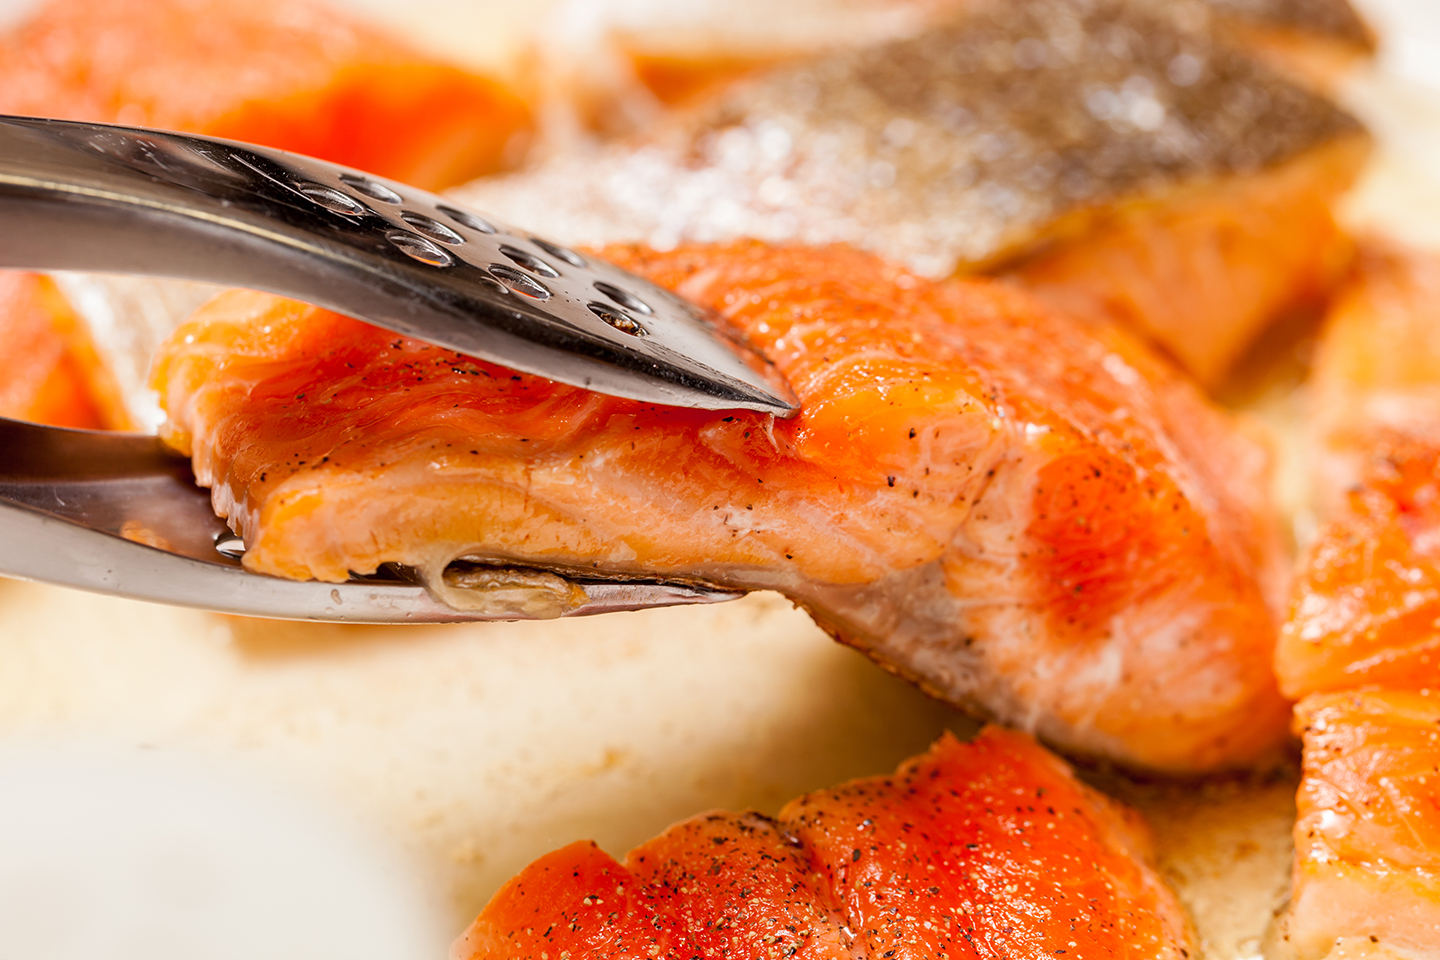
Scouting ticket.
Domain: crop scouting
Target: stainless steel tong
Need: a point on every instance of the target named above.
(108, 199)
(117, 513)
(120, 513)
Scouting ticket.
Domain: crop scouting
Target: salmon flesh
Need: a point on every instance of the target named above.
(1367, 600)
(1031, 517)
(1367, 841)
(985, 849)
(1362, 644)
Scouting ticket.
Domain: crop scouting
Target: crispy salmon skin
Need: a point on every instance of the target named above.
(985, 849)
(1024, 515)
(1114, 156)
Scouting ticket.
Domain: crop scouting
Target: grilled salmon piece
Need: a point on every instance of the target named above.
(1362, 645)
(990, 848)
(46, 373)
(1173, 183)
(292, 74)
(1367, 599)
(1366, 606)
(987, 849)
(1028, 516)
(1377, 365)
(1368, 835)
(576, 902)
(636, 52)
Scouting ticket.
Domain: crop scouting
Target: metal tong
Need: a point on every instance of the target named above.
(118, 513)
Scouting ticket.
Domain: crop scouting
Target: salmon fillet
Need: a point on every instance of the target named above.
(984, 849)
(1366, 605)
(1361, 644)
(44, 374)
(1172, 183)
(1377, 364)
(1024, 515)
(292, 74)
(1368, 835)
(1367, 599)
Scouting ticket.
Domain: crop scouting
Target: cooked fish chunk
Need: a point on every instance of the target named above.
(1367, 840)
(1367, 598)
(1361, 645)
(1129, 165)
(1025, 515)
(990, 848)
(1377, 364)
(45, 370)
(1366, 606)
(294, 74)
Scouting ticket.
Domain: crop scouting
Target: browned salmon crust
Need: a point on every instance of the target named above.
(1333, 21)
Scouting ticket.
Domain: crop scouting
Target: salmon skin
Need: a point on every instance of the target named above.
(1110, 156)
(609, 77)
(985, 849)
(1315, 41)
(1366, 606)
(1026, 516)
(1367, 840)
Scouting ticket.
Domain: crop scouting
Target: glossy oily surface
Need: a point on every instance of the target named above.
(1019, 512)
(971, 850)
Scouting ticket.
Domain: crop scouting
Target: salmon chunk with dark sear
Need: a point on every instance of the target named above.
(985, 849)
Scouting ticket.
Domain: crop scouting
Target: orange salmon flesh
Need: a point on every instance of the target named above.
(1367, 841)
(985, 849)
(291, 74)
(1025, 515)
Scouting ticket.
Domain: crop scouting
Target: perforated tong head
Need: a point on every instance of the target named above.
(110, 199)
